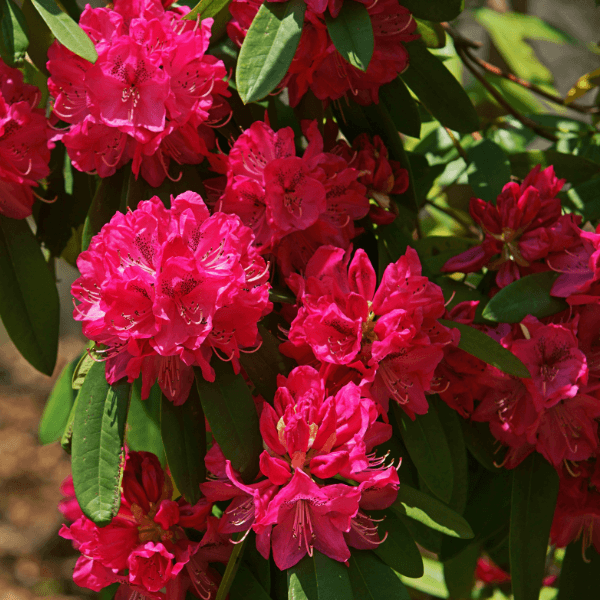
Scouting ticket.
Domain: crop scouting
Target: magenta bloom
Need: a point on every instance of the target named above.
(390, 335)
(162, 290)
(24, 143)
(151, 97)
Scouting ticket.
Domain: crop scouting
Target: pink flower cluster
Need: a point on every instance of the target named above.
(162, 289)
(24, 143)
(151, 97)
(293, 204)
(386, 338)
(310, 437)
(145, 547)
(318, 66)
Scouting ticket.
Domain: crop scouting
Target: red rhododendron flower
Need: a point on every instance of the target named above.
(151, 96)
(162, 289)
(24, 143)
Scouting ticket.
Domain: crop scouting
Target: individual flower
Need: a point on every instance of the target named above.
(318, 66)
(162, 289)
(24, 143)
(151, 96)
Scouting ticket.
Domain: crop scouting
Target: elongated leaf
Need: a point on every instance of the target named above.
(426, 443)
(66, 31)
(269, 48)
(399, 550)
(184, 437)
(143, 422)
(435, 10)
(352, 34)
(534, 493)
(431, 512)
(261, 568)
(29, 305)
(432, 581)
(489, 169)
(13, 27)
(372, 579)
(319, 577)
(432, 34)
(58, 407)
(482, 346)
(245, 585)
(67, 436)
(579, 579)
(529, 295)
(459, 572)
(401, 107)
(207, 9)
(82, 368)
(481, 443)
(232, 568)
(439, 90)
(231, 413)
(97, 446)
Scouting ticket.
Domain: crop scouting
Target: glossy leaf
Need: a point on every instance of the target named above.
(580, 574)
(143, 422)
(183, 431)
(401, 106)
(207, 9)
(231, 413)
(232, 567)
(245, 585)
(319, 577)
(435, 10)
(58, 407)
(14, 39)
(372, 579)
(431, 512)
(66, 439)
(40, 42)
(529, 295)
(482, 346)
(269, 48)
(534, 493)
(426, 443)
(459, 572)
(439, 90)
(480, 443)
(66, 30)
(489, 169)
(352, 33)
(432, 34)
(29, 305)
(432, 581)
(97, 445)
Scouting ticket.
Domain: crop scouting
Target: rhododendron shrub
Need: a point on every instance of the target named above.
(341, 320)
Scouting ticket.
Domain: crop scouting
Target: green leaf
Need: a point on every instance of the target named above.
(401, 106)
(439, 90)
(432, 34)
(58, 407)
(66, 31)
(399, 550)
(481, 443)
(534, 493)
(459, 572)
(233, 565)
(97, 446)
(529, 295)
(489, 169)
(231, 413)
(29, 305)
(319, 577)
(435, 10)
(269, 48)
(373, 580)
(13, 27)
(482, 346)
(82, 368)
(435, 250)
(428, 448)
(245, 585)
(352, 34)
(432, 581)
(67, 436)
(431, 512)
(183, 431)
(579, 578)
(207, 9)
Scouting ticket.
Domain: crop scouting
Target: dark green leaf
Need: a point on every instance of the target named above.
(269, 48)
(529, 295)
(372, 579)
(401, 107)
(432, 34)
(439, 90)
(481, 443)
(459, 572)
(579, 578)
(428, 448)
(489, 169)
(58, 407)
(431, 512)
(40, 42)
(143, 422)
(434, 251)
(435, 10)
(246, 586)
(260, 568)
(233, 565)
(231, 413)
(207, 9)
(482, 346)
(184, 437)
(97, 450)
(352, 34)
(66, 31)
(13, 27)
(399, 550)
(108, 593)
(586, 197)
(29, 304)
(432, 582)
(534, 493)
(319, 577)
(575, 169)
